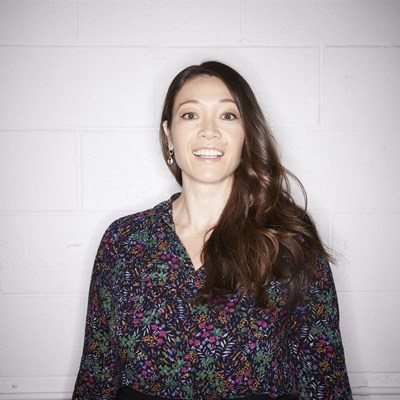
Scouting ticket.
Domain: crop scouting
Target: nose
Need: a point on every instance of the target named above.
(208, 129)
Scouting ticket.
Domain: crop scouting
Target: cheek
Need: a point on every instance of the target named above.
(240, 142)
(179, 143)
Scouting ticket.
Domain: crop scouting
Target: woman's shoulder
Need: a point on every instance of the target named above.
(138, 220)
(142, 221)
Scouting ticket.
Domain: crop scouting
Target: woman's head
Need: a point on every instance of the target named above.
(206, 133)
(257, 138)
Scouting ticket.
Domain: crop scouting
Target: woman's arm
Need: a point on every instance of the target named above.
(315, 344)
(96, 377)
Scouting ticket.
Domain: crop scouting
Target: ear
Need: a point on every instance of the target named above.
(167, 132)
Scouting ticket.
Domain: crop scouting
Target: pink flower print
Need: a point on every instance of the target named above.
(263, 324)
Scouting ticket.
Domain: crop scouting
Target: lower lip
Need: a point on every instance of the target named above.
(209, 158)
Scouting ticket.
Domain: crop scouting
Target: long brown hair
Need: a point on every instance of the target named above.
(262, 234)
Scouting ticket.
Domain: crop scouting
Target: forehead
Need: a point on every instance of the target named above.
(207, 88)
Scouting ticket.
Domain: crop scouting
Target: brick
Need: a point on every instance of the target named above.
(154, 22)
(345, 170)
(38, 170)
(38, 329)
(362, 169)
(39, 21)
(323, 22)
(285, 80)
(124, 171)
(64, 87)
(380, 396)
(369, 320)
(368, 247)
(37, 387)
(382, 384)
(361, 87)
(49, 253)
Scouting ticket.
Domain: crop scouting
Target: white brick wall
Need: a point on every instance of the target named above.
(81, 87)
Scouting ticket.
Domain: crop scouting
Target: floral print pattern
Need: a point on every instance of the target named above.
(144, 330)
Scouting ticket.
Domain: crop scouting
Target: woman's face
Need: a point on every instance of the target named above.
(206, 132)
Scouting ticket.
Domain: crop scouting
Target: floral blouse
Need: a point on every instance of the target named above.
(143, 330)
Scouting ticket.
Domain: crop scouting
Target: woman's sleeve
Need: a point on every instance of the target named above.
(96, 377)
(315, 343)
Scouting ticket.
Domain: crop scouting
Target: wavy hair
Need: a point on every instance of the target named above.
(262, 234)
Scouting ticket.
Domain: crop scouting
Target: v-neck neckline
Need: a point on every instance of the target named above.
(171, 223)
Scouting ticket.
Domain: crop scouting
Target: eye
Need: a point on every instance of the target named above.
(229, 116)
(189, 115)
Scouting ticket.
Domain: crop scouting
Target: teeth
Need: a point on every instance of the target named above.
(208, 153)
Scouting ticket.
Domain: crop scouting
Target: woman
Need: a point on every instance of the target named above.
(224, 290)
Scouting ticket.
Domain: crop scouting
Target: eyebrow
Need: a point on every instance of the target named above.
(197, 102)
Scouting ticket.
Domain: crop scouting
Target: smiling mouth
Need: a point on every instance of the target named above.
(208, 153)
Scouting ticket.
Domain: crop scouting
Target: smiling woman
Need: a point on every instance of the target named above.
(223, 291)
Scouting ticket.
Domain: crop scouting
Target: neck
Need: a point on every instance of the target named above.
(200, 206)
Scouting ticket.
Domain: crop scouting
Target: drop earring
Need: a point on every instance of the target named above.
(170, 160)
